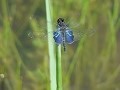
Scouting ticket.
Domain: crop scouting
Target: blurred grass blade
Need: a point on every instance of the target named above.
(9, 45)
(51, 47)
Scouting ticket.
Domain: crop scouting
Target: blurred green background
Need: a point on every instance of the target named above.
(92, 63)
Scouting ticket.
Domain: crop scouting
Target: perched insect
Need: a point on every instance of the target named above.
(63, 34)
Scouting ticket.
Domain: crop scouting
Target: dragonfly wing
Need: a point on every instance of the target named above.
(81, 31)
(79, 34)
(36, 34)
(69, 37)
(38, 28)
(57, 35)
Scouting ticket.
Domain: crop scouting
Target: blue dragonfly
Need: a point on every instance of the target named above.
(63, 34)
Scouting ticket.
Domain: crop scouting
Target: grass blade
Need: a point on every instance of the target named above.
(59, 68)
(51, 47)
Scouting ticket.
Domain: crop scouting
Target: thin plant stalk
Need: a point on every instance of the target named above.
(53, 84)
(59, 68)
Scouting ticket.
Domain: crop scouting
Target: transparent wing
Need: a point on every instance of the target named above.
(84, 33)
(80, 30)
(37, 34)
(39, 29)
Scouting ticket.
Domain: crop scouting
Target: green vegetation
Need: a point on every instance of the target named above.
(33, 62)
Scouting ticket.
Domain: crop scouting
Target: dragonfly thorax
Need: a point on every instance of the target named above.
(61, 24)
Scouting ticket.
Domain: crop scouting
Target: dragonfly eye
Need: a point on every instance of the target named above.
(60, 20)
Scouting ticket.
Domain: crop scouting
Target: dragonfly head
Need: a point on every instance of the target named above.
(61, 23)
(60, 20)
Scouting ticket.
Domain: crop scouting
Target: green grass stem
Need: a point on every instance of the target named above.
(51, 47)
(59, 68)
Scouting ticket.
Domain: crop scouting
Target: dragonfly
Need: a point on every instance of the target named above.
(63, 34)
